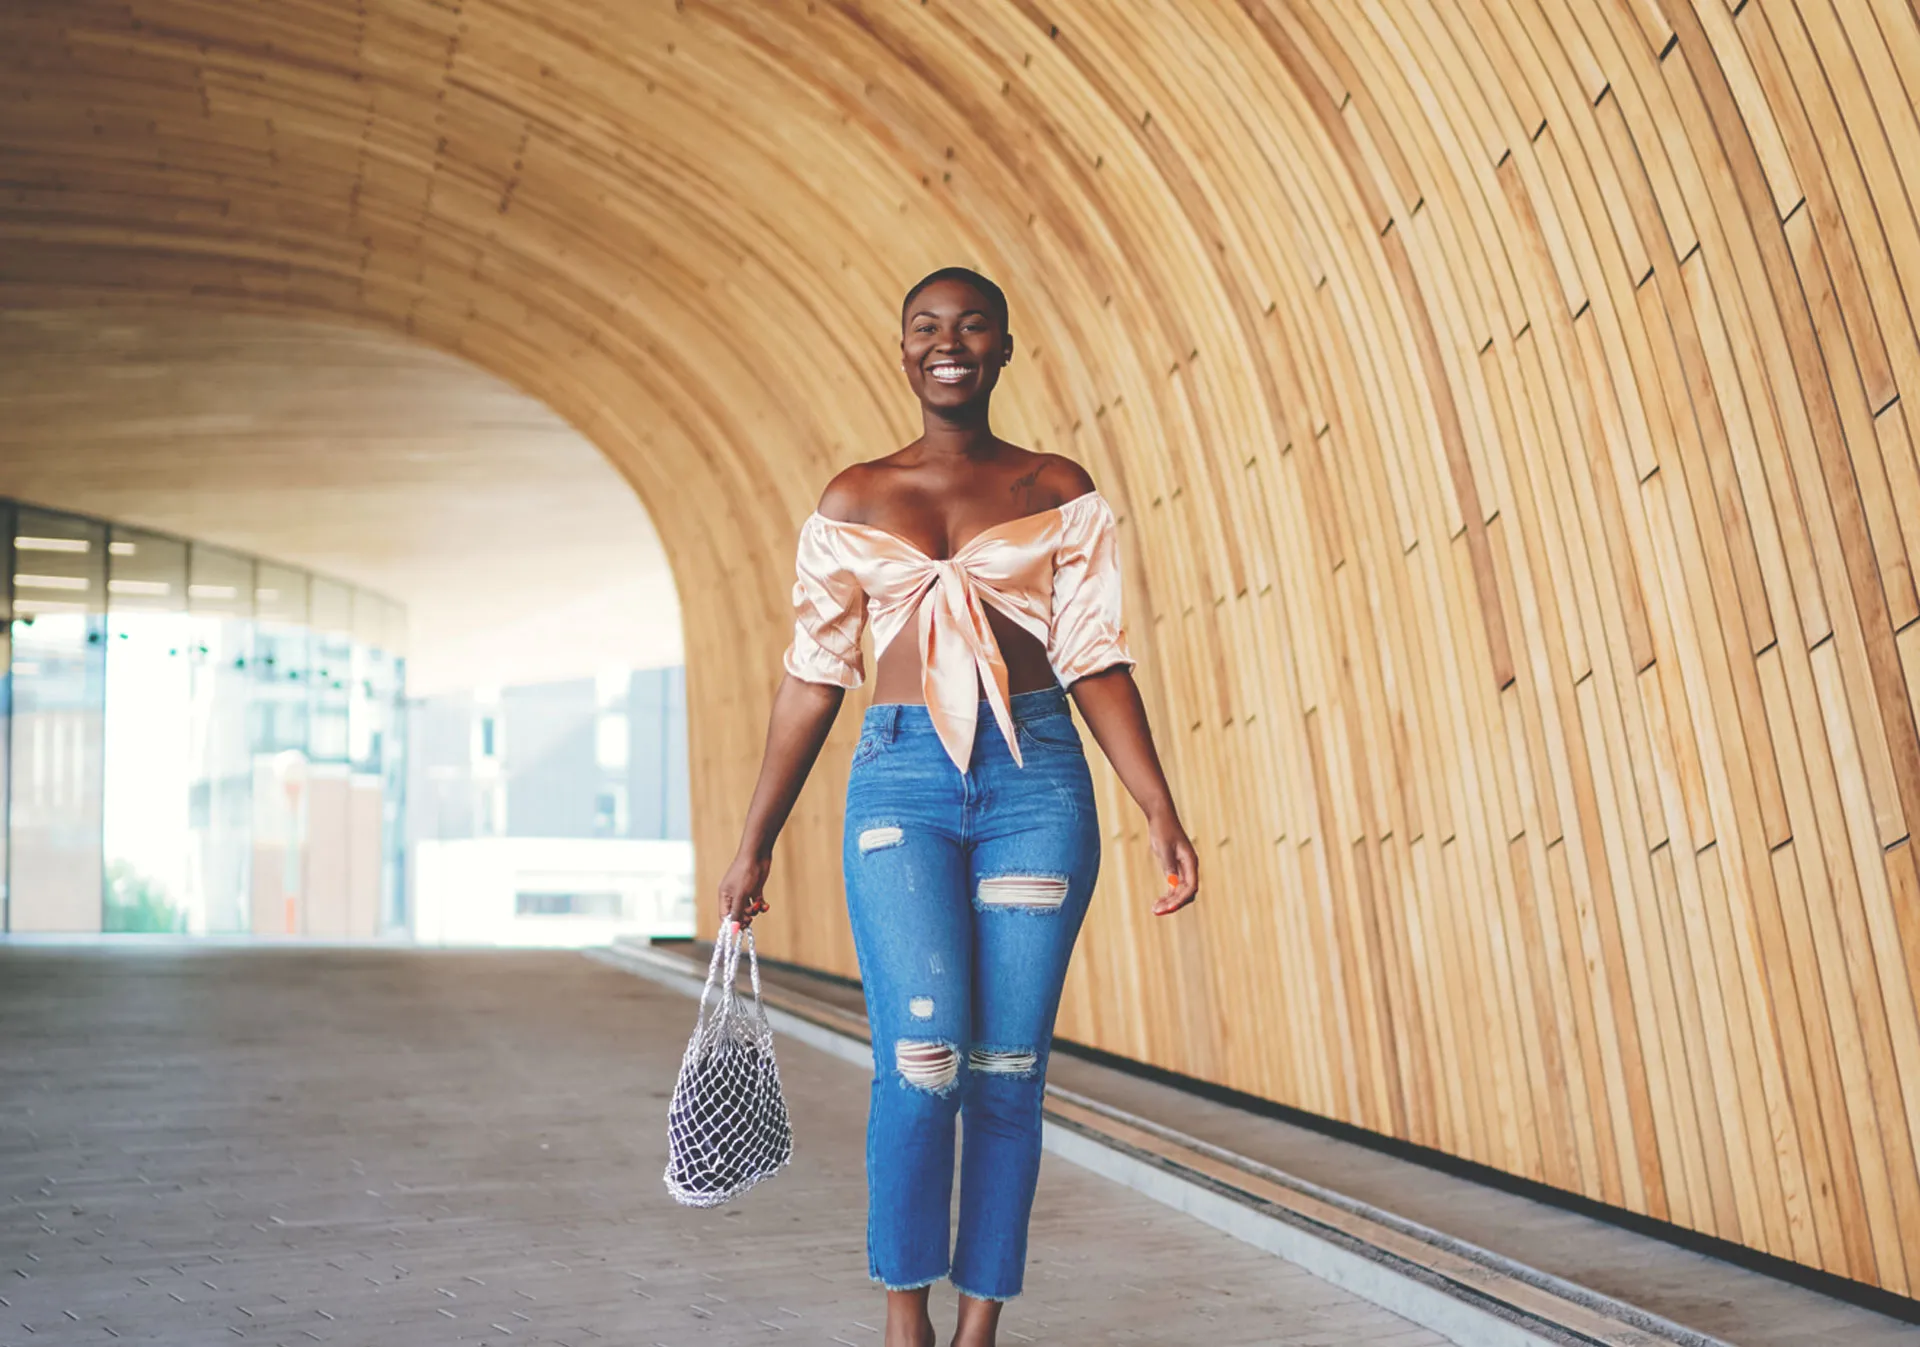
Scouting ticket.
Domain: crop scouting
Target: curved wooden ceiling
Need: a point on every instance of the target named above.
(1507, 402)
(518, 551)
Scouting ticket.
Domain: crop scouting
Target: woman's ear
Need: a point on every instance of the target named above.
(1006, 354)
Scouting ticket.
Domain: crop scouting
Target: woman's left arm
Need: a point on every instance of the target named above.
(1109, 702)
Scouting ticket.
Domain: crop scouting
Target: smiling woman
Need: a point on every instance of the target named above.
(969, 859)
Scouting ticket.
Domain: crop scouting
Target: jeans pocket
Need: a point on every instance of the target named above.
(1050, 734)
(867, 749)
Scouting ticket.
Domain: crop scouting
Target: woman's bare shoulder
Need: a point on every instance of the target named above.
(849, 496)
(1060, 476)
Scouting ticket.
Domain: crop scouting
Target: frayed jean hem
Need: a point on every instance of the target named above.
(978, 1296)
(920, 1285)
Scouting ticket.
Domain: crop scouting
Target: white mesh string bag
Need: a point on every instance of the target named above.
(727, 1126)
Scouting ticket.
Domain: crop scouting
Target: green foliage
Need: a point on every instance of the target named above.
(137, 903)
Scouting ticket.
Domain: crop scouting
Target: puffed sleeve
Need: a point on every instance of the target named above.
(829, 611)
(1087, 634)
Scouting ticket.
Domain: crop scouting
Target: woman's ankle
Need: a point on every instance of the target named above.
(911, 1334)
(908, 1323)
(979, 1321)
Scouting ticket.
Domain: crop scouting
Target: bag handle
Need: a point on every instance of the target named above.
(724, 969)
(713, 978)
(753, 960)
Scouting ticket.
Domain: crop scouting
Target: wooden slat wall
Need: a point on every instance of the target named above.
(1507, 403)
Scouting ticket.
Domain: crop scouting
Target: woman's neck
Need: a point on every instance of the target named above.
(964, 435)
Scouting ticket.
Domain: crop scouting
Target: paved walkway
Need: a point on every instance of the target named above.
(398, 1148)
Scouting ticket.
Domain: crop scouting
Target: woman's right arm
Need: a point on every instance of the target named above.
(822, 662)
(803, 713)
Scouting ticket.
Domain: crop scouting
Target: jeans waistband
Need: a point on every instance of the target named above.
(891, 717)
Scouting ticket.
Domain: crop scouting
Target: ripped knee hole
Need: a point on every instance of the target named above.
(1002, 1061)
(924, 1064)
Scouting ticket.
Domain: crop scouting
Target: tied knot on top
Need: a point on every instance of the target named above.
(959, 655)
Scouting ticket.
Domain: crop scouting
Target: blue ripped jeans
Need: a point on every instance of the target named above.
(966, 893)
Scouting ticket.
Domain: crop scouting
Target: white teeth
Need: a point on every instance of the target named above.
(949, 373)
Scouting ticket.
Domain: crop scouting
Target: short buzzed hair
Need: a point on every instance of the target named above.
(996, 297)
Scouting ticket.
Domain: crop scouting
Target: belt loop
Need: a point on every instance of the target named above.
(889, 722)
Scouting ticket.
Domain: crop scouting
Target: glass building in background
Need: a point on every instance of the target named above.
(194, 740)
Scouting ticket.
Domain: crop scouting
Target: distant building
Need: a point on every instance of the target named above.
(555, 813)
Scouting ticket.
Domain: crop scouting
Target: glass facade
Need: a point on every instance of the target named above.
(193, 740)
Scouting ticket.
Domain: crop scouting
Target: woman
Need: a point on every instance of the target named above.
(990, 575)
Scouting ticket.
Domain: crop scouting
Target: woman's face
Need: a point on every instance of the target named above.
(953, 346)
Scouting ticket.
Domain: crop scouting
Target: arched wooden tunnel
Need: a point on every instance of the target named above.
(1509, 406)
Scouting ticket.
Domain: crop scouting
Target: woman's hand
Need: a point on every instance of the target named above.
(1178, 862)
(741, 899)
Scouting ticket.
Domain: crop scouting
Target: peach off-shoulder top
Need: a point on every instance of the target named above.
(1056, 574)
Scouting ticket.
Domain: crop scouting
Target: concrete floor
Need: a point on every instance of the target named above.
(398, 1148)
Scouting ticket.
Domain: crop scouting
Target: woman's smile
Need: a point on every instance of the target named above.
(949, 371)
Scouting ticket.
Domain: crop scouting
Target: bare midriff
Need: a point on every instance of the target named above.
(897, 674)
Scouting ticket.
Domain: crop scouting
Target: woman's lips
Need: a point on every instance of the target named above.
(949, 373)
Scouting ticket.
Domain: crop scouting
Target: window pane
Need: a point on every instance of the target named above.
(59, 686)
(220, 614)
(280, 707)
(149, 798)
(330, 804)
